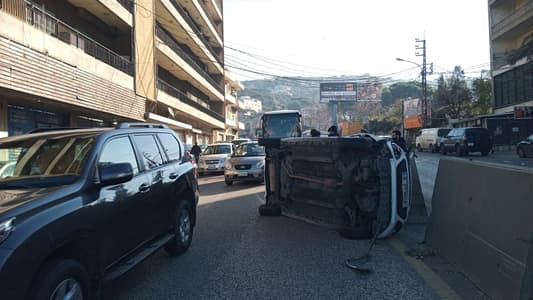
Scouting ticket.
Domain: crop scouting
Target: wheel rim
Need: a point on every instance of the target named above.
(184, 226)
(68, 289)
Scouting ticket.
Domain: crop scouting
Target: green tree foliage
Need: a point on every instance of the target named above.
(400, 90)
(453, 98)
(482, 96)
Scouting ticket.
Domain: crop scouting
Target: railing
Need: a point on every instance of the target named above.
(204, 6)
(169, 89)
(127, 4)
(514, 16)
(196, 30)
(45, 22)
(169, 41)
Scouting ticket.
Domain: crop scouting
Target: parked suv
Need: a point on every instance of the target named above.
(463, 141)
(86, 205)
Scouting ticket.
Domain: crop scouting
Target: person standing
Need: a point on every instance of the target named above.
(196, 150)
(399, 140)
(332, 131)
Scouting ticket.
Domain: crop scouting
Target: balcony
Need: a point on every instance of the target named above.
(518, 21)
(242, 126)
(117, 14)
(198, 12)
(197, 30)
(172, 91)
(45, 22)
(172, 44)
(231, 123)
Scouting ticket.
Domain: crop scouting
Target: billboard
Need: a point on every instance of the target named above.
(412, 113)
(350, 91)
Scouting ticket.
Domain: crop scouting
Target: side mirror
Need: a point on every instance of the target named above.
(115, 174)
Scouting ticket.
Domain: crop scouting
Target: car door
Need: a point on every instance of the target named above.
(153, 165)
(122, 205)
(449, 141)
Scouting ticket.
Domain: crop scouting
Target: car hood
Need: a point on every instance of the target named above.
(246, 159)
(213, 156)
(12, 198)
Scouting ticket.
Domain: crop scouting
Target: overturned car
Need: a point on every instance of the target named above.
(360, 185)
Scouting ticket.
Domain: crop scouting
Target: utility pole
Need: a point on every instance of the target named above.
(421, 45)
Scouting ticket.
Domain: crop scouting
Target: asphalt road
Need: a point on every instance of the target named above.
(236, 254)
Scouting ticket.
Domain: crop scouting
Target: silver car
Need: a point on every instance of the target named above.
(246, 164)
(213, 158)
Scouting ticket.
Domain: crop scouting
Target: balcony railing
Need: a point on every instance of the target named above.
(169, 41)
(196, 30)
(49, 24)
(169, 89)
(127, 4)
(204, 7)
(509, 19)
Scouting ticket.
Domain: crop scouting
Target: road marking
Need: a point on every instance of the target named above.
(442, 289)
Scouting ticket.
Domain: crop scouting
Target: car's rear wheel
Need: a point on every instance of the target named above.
(183, 230)
(521, 152)
(61, 279)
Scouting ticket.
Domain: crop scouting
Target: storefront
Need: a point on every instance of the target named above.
(22, 119)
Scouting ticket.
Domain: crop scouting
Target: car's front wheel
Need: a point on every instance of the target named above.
(183, 230)
(521, 152)
(61, 279)
(228, 181)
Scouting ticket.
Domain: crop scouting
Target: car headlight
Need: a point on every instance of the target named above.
(260, 164)
(228, 165)
(6, 227)
(223, 160)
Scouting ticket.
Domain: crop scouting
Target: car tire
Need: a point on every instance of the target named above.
(228, 182)
(269, 210)
(61, 277)
(520, 152)
(458, 151)
(485, 152)
(183, 230)
(442, 149)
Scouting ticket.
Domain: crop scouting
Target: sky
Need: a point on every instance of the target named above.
(354, 37)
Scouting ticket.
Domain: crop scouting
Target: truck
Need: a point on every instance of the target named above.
(359, 185)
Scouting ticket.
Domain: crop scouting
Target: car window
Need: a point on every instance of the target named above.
(118, 150)
(171, 146)
(451, 133)
(218, 149)
(150, 155)
(443, 132)
(530, 138)
(252, 149)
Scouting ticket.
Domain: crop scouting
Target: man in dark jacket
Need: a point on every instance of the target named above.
(332, 131)
(196, 150)
(399, 140)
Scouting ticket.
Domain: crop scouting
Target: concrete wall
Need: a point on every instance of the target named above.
(482, 222)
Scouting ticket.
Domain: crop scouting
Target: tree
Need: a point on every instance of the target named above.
(453, 98)
(400, 90)
(482, 95)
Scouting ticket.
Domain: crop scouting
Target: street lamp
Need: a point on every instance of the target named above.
(424, 88)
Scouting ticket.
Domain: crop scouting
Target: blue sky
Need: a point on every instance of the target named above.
(335, 37)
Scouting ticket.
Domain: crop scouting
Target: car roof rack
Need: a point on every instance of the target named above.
(38, 130)
(140, 125)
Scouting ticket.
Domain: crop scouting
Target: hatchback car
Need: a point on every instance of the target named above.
(463, 141)
(246, 164)
(525, 147)
(83, 206)
(214, 157)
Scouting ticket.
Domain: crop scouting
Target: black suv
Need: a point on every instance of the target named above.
(463, 141)
(86, 205)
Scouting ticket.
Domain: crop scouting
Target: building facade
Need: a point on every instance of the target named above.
(232, 88)
(511, 45)
(249, 103)
(94, 63)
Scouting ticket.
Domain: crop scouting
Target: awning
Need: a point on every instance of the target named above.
(171, 123)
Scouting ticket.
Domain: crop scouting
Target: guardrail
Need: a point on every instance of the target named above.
(169, 41)
(196, 30)
(169, 89)
(44, 21)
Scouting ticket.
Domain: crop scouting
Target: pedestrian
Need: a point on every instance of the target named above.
(315, 133)
(196, 150)
(332, 131)
(399, 140)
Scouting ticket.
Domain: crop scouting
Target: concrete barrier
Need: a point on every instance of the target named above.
(417, 211)
(482, 222)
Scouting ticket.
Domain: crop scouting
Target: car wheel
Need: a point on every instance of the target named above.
(442, 149)
(432, 148)
(62, 279)
(520, 152)
(228, 182)
(485, 152)
(269, 210)
(183, 230)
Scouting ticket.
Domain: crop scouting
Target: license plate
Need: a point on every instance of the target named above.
(470, 144)
(405, 190)
(211, 167)
(241, 173)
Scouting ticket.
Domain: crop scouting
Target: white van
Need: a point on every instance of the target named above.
(431, 138)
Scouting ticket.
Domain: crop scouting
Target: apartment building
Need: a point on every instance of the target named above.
(249, 103)
(94, 63)
(511, 44)
(233, 126)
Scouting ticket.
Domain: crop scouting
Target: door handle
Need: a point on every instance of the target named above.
(173, 175)
(145, 187)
